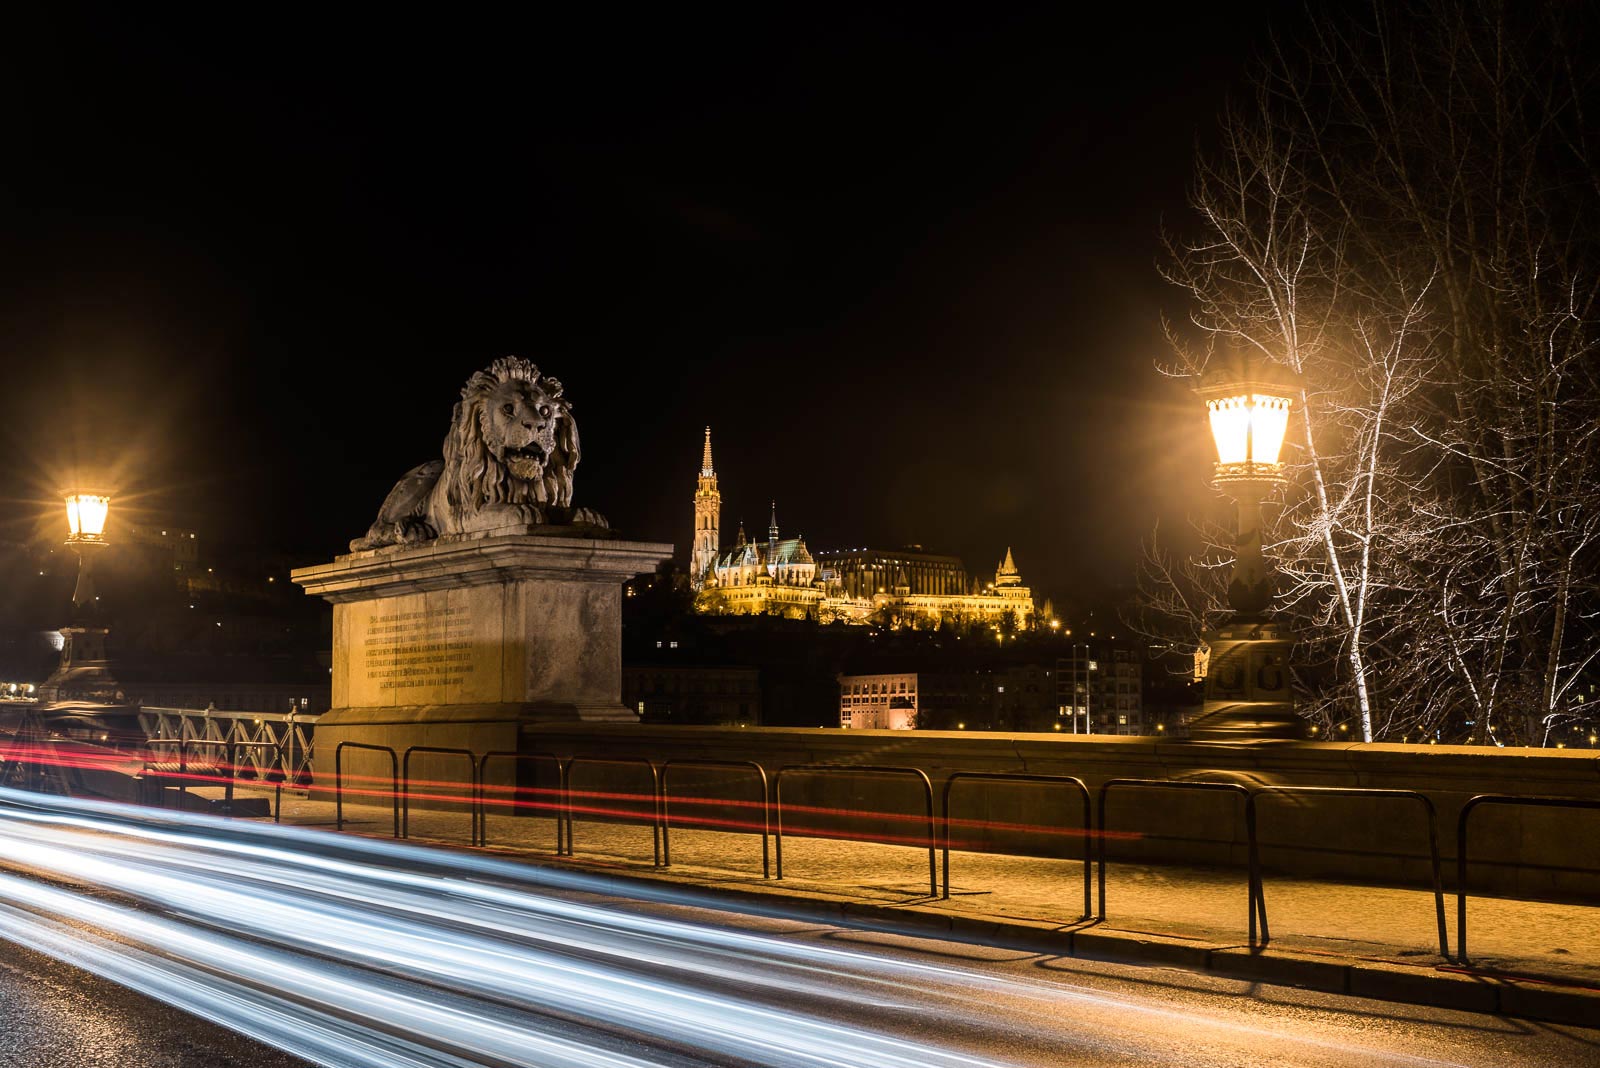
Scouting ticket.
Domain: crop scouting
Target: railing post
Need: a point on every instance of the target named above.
(1367, 792)
(1534, 801)
(338, 787)
(338, 780)
(927, 793)
(655, 797)
(666, 817)
(472, 786)
(231, 756)
(1254, 901)
(1083, 792)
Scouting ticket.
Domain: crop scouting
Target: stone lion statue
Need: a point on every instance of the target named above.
(508, 459)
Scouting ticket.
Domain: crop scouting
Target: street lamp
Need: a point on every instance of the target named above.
(84, 673)
(86, 526)
(1247, 695)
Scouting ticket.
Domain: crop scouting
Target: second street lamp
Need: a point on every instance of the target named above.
(1247, 694)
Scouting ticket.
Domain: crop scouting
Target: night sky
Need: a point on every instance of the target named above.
(903, 263)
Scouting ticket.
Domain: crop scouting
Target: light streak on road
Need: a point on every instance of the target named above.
(355, 952)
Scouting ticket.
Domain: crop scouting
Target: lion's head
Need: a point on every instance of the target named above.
(512, 440)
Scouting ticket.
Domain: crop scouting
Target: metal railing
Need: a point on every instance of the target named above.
(1255, 904)
(771, 805)
(1019, 777)
(287, 736)
(152, 770)
(559, 807)
(1356, 791)
(655, 796)
(338, 780)
(1467, 809)
(211, 773)
(880, 769)
(405, 786)
(766, 814)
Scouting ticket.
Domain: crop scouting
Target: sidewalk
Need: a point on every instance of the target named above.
(1339, 937)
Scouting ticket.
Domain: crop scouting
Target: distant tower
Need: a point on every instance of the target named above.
(707, 520)
(772, 537)
(1006, 574)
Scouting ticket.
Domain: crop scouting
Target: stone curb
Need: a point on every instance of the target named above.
(1446, 987)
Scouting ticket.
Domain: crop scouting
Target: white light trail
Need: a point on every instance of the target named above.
(259, 924)
(362, 953)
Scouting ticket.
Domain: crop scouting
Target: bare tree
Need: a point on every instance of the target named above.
(1405, 215)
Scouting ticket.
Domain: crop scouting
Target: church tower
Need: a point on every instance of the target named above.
(707, 520)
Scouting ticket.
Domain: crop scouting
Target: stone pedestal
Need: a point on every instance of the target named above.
(1247, 694)
(84, 674)
(459, 642)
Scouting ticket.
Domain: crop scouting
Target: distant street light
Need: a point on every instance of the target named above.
(86, 525)
(1247, 695)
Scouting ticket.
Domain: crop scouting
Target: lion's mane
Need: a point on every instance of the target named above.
(474, 476)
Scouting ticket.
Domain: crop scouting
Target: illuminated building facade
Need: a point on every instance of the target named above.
(895, 587)
(773, 577)
(878, 702)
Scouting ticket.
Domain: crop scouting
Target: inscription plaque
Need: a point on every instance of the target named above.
(410, 649)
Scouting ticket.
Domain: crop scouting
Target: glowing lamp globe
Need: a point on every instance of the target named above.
(86, 517)
(1248, 401)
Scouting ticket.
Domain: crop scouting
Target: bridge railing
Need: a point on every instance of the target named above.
(269, 747)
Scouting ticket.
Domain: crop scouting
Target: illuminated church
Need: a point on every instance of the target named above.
(898, 587)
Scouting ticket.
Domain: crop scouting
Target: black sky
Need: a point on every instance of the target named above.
(902, 262)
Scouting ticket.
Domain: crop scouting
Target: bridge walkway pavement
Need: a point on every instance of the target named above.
(1539, 960)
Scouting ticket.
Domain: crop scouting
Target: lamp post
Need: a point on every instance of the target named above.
(1247, 694)
(86, 527)
(84, 673)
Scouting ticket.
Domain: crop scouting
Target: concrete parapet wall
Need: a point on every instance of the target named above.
(1529, 852)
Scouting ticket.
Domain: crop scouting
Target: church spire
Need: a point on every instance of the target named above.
(772, 534)
(707, 521)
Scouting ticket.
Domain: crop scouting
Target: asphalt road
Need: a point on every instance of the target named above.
(55, 1015)
(382, 953)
